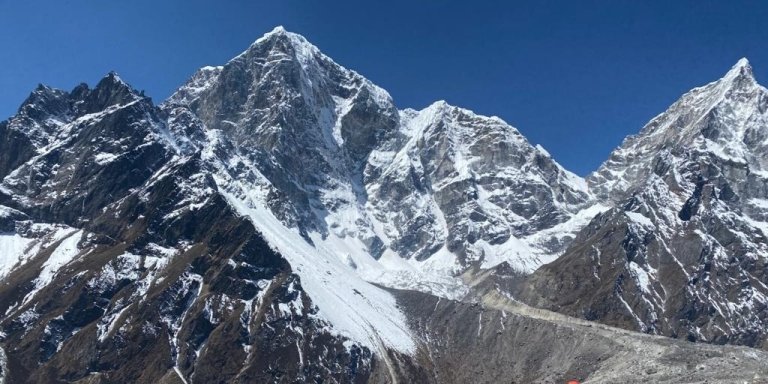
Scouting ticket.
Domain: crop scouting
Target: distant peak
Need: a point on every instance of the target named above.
(292, 44)
(742, 66)
(111, 90)
(438, 108)
(80, 91)
(742, 69)
(278, 30)
(43, 91)
(113, 78)
(42, 94)
(441, 104)
(443, 108)
(42, 88)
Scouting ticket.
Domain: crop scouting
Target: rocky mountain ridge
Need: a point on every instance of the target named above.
(281, 209)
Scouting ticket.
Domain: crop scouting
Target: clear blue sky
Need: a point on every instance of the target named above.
(574, 76)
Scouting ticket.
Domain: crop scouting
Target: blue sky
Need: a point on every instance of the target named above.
(573, 76)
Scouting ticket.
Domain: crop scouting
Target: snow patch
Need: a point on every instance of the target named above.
(13, 248)
(640, 219)
(104, 158)
(62, 255)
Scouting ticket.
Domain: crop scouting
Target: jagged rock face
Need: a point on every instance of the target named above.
(84, 143)
(219, 306)
(725, 119)
(122, 262)
(171, 233)
(471, 184)
(15, 148)
(303, 122)
(684, 251)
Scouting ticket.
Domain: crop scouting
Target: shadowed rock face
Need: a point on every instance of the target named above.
(90, 149)
(15, 149)
(683, 253)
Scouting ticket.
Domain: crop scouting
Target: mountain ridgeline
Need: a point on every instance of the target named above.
(279, 219)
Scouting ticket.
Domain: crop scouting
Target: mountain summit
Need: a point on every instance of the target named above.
(724, 118)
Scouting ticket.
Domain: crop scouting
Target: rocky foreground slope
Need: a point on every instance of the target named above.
(278, 219)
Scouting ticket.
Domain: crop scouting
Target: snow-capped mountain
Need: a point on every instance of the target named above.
(120, 250)
(279, 219)
(404, 198)
(683, 253)
(338, 159)
(327, 186)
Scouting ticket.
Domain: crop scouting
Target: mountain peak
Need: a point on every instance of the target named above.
(111, 90)
(279, 32)
(439, 106)
(280, 41)
(40, 93)
(112, 80)
(443, 108)
(715, 119)
(42, 88)
(743, 62)
(44, 101)
(742, 70)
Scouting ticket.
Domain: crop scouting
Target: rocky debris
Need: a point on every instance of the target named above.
(501, 340)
